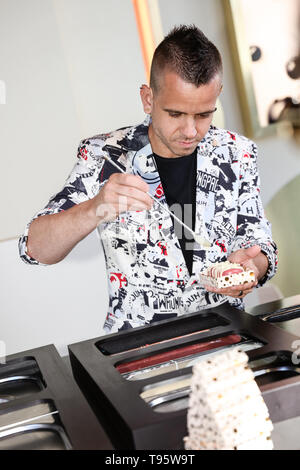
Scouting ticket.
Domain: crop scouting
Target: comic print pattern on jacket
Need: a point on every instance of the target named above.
(147, 276)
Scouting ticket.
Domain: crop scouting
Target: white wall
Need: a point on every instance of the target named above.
(67, 303)
(59, 304)
(72, 68)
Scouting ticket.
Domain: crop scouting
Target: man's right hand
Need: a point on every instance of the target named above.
(53, 236)
(122, 192)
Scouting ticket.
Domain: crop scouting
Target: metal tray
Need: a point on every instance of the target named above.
(41, 406)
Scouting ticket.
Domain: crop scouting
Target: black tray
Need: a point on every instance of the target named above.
(128, 419)
(40, 378)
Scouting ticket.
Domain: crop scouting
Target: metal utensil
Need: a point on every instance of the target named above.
(269, 370)
(287, 313)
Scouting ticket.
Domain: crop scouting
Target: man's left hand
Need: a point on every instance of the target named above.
(250, 258)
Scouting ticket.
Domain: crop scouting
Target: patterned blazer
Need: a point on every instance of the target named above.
(147, 276)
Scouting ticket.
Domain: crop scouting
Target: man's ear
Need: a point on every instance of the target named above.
(147, 98)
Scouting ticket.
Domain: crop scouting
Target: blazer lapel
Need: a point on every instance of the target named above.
(206, 188)
(143, 164)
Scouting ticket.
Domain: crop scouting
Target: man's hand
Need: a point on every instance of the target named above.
(53, 236)
(119, 194)
(250, 258)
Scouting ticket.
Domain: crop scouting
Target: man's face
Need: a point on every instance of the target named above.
(181, 113)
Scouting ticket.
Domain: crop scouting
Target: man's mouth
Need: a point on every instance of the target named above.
(187, 143)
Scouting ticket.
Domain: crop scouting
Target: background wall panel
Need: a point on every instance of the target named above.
(73, 68)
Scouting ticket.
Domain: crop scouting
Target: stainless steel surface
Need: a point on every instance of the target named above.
(173, 394)
(18, 378)
(166, 387)
(169, 397)
(263, 361)
(32, 427)
(13, 387)
(35, 437)
(174, 401)
(41, 418)
(173, 389)
(174, 405)
(6, 398)
(28, 412)
(184, 362)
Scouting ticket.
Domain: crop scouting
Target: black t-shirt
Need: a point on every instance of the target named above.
(178, 178)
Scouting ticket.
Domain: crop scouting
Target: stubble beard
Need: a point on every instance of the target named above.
(166, 143)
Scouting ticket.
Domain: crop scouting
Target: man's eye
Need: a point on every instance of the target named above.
(175, 115)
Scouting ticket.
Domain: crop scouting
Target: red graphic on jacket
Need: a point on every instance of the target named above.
(118, 277)
(178, 271)
(159, 191)
(163, 249)
(83, 153)
(222, 246)
(231, 135)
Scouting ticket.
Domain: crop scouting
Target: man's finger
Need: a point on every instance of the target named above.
(129, 179)
(244, 254)
(132, 193)
(253, 251)
(234, 291)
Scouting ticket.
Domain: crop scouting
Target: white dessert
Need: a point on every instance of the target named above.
(226, 409)
(226, 274)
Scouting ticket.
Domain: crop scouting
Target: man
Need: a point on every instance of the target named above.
(207, 175)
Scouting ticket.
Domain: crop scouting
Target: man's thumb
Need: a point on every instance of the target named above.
(252, 251)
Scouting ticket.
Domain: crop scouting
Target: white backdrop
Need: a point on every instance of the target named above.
(73, 68)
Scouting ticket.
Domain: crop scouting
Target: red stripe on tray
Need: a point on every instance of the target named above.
(177, 353)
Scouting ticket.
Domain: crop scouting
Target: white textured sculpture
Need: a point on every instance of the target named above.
(226, 409)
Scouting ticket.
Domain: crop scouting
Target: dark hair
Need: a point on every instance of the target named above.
(187, 52)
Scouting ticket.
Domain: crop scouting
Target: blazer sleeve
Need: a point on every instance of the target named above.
(83, 183)
(253, 228)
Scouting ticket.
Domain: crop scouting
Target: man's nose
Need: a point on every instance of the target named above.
(189, 129)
